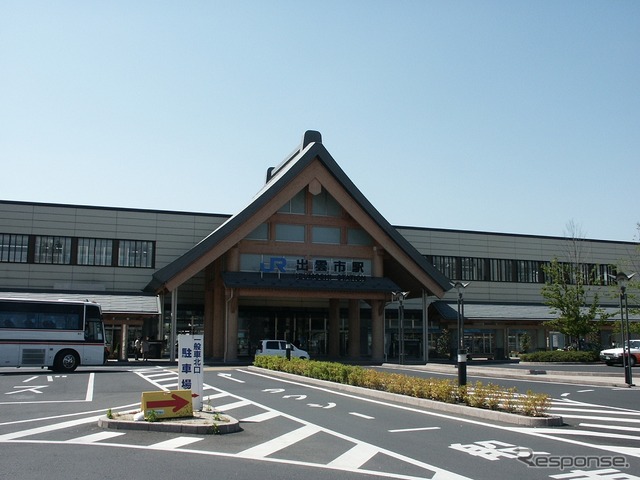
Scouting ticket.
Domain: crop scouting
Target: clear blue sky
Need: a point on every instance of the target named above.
(503, 116)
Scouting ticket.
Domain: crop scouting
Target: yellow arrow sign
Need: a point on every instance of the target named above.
(174, 403)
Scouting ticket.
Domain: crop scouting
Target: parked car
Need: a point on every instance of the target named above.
(279, 348)
(614, 355)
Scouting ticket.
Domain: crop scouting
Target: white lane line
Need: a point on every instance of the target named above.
(48, 428)
(587, 433)
(610, 427)
(588, 390)
(231, 406)
(29, 379)
(215, 395)
(267, 448)
(89, 396)
(361, 415)
(95, 437)
(355, 457)
(419, 429)
(261, 417)
(603, 410)
(175, 443)
(171, 385)
(604, 419)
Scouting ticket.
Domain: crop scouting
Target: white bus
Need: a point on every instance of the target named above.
(58, 334)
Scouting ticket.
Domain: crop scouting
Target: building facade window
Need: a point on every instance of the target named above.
(52, 250)
(290, 233)
(357, 236)
(446, 265)
(471, 268)
(296, 205)
(328, 235)
(14, 248)
(324, 204)
(95, 251)
(501, 270)
(260, 233)
(135, 253)
(529, 271)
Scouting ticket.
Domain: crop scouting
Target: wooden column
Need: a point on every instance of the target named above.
(334, 328)
(354, 328)
(377, 331)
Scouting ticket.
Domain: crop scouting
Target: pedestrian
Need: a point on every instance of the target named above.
(136, 348)
(145, 348)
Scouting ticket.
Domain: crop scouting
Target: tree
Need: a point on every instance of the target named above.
(566, 294)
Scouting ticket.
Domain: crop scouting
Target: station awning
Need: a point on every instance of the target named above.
(129, 303)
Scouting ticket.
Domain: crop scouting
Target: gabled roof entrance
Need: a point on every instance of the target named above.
(309, 168)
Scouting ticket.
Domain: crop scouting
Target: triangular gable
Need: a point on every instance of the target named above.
(311, 163)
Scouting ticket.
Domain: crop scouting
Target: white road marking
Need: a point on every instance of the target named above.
(261, 417)
(361, 415)
(607, 419)
(267, 448)
(610, 427)
(95, 437)
(413, 429)
(588, 390)
(229, 377)
(48, 428)
(29, 379)
(354, 458)
(89, 396)
(231, 406)
(175, 443)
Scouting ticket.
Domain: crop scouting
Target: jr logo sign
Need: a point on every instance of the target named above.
(276, 264)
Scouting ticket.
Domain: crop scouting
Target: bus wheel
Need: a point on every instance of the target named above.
(66, 361)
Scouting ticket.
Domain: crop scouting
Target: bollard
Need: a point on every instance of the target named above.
(288, 351)
(462, 367)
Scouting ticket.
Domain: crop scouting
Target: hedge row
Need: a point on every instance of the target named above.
(488, 396)
(561, 356)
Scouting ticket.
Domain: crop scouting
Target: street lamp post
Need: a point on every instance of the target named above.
(400, 296)
(623, 280)
(462, 352)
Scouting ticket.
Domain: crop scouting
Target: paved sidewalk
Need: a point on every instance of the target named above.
(536, 371)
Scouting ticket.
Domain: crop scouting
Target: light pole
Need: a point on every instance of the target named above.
(462, 352)
(623, 279)
(400, 296)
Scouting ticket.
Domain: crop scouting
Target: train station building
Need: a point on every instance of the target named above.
(309, 260)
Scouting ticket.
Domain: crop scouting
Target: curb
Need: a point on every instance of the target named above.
(482, 413)
(578, 378)
(173, 426)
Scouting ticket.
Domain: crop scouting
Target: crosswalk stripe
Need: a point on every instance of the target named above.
(355, 457)
(95, 437)
(267, 448)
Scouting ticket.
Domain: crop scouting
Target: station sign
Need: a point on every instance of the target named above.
(168, 404)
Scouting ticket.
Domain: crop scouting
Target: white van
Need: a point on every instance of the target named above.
(279, 348)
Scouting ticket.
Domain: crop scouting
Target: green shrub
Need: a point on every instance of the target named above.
(561, 356)
(488, 396)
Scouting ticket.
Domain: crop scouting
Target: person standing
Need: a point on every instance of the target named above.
(137, 345)
(145, 348)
